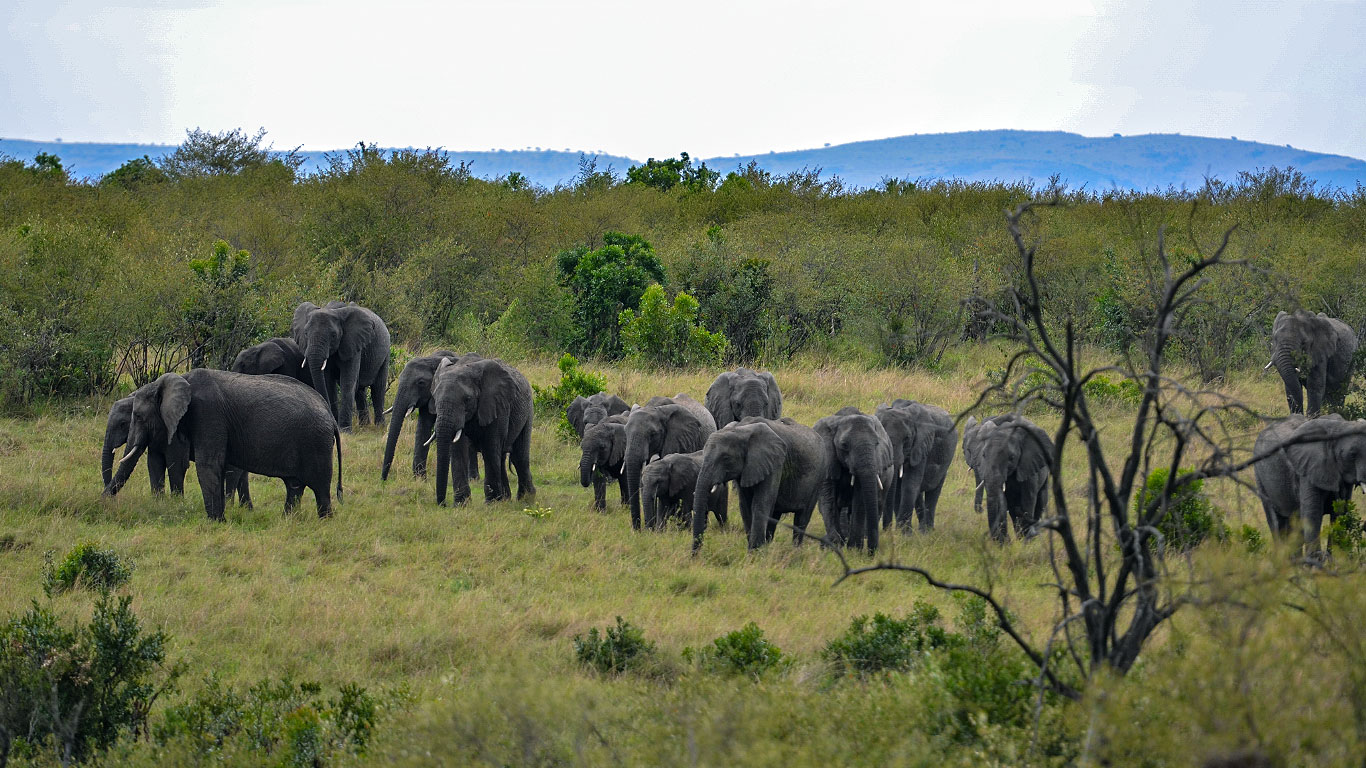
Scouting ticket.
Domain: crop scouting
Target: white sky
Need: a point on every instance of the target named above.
(645, 78)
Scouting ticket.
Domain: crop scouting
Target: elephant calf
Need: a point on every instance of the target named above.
(584, 412)
(667, 488)
(604, 454)
(663, 426)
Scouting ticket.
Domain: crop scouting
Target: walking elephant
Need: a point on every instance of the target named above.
(923, 443)
(1311, 464)
(1313, 354)
(663, 426)
(270, 425)
(779, 467)
(743, 392)
(604, 454)
(584, 412)
(355, 341)
(164, 460)
(859, 477)
(488, 401)
(1012, 459)
(414, 393)
(668, 487)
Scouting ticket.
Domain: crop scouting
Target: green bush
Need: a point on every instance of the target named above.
(1345, 534)
(669, 335)
(74, 692)
(1190, 517)
(883, 644)
(742, 652)
(1251, 539)
(614, 650)
(552, 402)
(1100, 389)
(604, 282)
(88, 566)
(225, 311)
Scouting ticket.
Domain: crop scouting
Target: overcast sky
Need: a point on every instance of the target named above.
(644, 78)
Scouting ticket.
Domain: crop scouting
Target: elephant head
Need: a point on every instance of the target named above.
(743, 392)
(342, 333)
(584, 412)
(115, 435)
(672, 479)
(279, 355)
(604, 449)
(1329, 453)
(414, 393)
(1313, 355)
(655, 431)
(157, 411)
(860, 474)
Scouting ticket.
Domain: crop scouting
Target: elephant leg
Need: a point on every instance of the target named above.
(293, 492)
(350, 373)
(426, 422)
(1315, 386)
(175, 475)
(209, 470)
(911, 484)
(362, 407)
(621, 485)
(322, 496)
(719, 503)
(799, 522)
(377, 392)
(996, 515)
(244, 490)
(494, 478)
(599, 491)
(1024, 523)
(929, 503)
(521, 461)
(156, 471)
(1312, 506)
(458, 456)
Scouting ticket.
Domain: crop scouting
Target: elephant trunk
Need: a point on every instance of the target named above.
(707, 479)
(127, 464)
(400, 411)
(865, 518)
(631, 468)
(315, 359)
(1285, 366)
(443, 434)
(586, 467)
(996, 507)
(649, 503)
(107, 456)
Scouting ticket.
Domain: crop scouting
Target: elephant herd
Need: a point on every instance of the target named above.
(282, 408)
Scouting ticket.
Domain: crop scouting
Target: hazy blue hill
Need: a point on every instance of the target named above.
(1138, 162)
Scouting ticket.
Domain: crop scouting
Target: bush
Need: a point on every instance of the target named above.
(604, 282)
(884, 644)
(1252, 539)
(552, 402)
(88, 566)
(1190, 517)
(669, 335)
(1100, 389)
(1345, 534)
(77, 691)
(615, 650)
(742, 652)
(225, 311)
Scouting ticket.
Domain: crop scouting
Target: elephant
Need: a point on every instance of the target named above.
(356, 342)
(414, 393)
(743, 392)
(923, 443)
(859, 477)
(488, 401)
(280, 355)
(662, 426)
(270, 425)
(667, 487)
(604, 454)
(1012, 459)
(164, 461)
(584, 412)
(779, 467)
(1314, 352)
(1319, 462)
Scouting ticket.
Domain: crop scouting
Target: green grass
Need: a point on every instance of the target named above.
(475, 608)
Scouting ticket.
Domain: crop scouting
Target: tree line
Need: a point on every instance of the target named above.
(164, 264)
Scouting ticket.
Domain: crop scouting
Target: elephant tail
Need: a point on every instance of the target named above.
(336, 436)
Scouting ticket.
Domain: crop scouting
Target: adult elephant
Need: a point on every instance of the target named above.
(668, 488)
(1012, 459)
(603, 450)
(414, 393)
(923, 443)
(778, 466)
(663, 426)
(164, 460)
(743, 392)
(488, 401)
(270, 425)
(859, 476)
(584, 412)
(1313, 354)
(1311, 464)
(355, 341)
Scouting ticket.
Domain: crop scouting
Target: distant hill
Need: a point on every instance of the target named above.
(1126, 162)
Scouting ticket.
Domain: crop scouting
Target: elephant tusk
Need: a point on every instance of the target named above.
(303, 363)
(388, 410)
(979, 485)
(653, 457)
(324, 366)
(429, 440)
(458, 433)
(879, 482)
(1268, 365)
(851, 481)
(901, 472)
(409, 412)
(593, 469)
(126, 457)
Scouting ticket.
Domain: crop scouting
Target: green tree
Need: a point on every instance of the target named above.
(669, 335)
(605, 282)
(225, 312)
(733, 293)
(138, 172)
(671, 172)
(204, 153)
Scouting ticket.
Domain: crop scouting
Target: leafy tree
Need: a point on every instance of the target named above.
(733, 293)
(204, 153)
(138, 172)
(669, 335)
(225, 311)
(666, 174)
(48, 166)
(605, 282)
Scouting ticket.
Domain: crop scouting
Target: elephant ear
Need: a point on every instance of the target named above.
(574, 413)
(825, 430)
(272, 360)
(300, 322)
(359, 327)
(717, 400)
(616, 405)
(764, 456)
(173, 400)
(617, 452)
(1315, 459)
(678, 478)
(921, 440)
(495, 394)
(775, 396)
(1035, 452)
(682, 431)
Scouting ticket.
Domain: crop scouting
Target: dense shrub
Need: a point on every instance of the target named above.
(1346, 535)
(604, 282)
(743, 652)
(614, 650)
(881, 643)
(553, 402)
(1189, 519)
(669, 335)
(1100, 389)
(88, 566)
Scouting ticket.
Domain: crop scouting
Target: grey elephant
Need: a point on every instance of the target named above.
(663, 426)
(668, 486)
(280, 355)
(489, 402)
(355, 342)
(743, 392)
(1313, 354)
(414, 393)
(584, 412)
(778, 466)
(603, 450)
(270, 425)
(1012, 459)
(859, 477)
(1311, 464)
(923, 443)
(164, 460)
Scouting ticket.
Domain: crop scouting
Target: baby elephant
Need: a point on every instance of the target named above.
(604, 453)
(667, 488)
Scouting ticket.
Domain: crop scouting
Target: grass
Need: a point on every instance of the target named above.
(475, 608)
